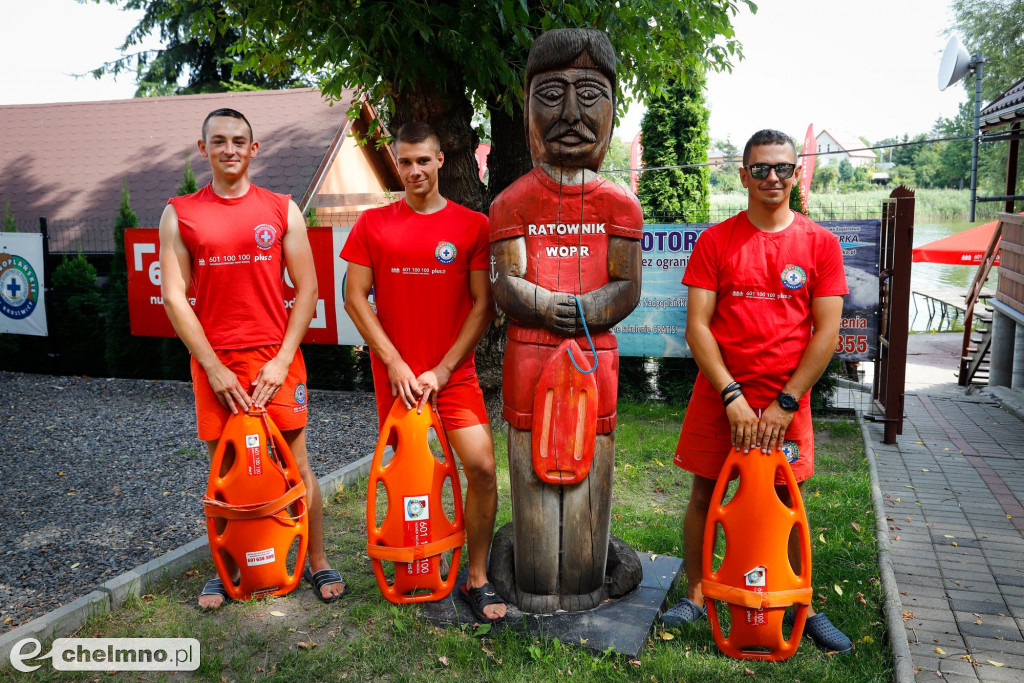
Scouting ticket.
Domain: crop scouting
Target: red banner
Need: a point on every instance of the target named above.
(810, 154)
(636, 152)
(330, 324)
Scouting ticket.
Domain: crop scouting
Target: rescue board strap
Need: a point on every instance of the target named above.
(218, 508)
(590, 341)
(416, 552)
(750, 599)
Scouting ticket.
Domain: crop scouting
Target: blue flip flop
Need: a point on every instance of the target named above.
(684, 613)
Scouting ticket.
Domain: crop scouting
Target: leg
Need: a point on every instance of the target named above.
(693, 536)
(215, 601)
(296, 440)
(475, 448)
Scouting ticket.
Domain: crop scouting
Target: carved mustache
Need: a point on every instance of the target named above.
(559, 130)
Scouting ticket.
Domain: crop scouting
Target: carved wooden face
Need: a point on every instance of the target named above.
(569, 117)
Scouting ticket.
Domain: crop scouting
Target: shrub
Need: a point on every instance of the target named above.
(77, 331)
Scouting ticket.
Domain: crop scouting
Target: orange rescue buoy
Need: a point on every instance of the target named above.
(255, 507)
(755, 578)
(415, 530)
(564, 418)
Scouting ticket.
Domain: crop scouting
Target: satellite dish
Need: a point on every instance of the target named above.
(956, 62)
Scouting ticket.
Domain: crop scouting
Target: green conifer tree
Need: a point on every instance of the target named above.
(676, 133)
(127, 356)
(9, 224)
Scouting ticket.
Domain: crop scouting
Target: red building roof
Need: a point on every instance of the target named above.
(67, 161)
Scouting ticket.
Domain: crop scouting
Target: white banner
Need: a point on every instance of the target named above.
(22, 309)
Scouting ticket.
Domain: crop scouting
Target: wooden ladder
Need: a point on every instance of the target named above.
(976, 345)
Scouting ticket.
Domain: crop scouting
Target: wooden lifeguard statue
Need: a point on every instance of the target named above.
(565, 268)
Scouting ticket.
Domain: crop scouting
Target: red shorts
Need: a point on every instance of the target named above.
(288, 409)
(460, 403)
(705, 440)
(525, 361)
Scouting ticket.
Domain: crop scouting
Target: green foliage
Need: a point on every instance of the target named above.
(126, 356)
(9, 224)
(826, 177)
(188, 183)
(675, 378)
(331, 367)
(675, 132)
(635, 379)
(617, 158)
(203, 58)
(444, 59)
(993, 27)
(77, 330)
(845, 171)
(796, 199)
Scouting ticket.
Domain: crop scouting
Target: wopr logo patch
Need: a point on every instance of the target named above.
(19, 287)
(445, 252)
(793, 277)
(266, 235)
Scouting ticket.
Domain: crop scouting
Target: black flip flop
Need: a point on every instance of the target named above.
(480, 597)
(325, 577)
(684, 613)
(215, 587)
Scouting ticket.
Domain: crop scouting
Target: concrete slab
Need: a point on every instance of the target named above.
(622, 625)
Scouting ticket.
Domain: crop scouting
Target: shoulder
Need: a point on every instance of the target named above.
(185, 199)
(465, 214)
(818, 232)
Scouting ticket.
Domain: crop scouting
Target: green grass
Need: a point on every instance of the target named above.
(363, 637)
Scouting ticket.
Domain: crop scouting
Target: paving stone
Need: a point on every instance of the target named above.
(976, 643)
(990, 627)
(979, 606)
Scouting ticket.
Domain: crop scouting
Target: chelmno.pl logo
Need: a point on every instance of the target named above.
(110, 654)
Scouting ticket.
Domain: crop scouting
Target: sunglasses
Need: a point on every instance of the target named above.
(762, 171)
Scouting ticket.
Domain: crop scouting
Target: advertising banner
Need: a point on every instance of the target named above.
(22, 301)
(657, 326)
(330, 325)
(654, 329)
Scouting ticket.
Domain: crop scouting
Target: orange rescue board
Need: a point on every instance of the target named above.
(415, 530)
(255, 508)
(564, 418)
(755, 578)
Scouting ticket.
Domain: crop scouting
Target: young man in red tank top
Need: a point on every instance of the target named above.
(427, 261)
(230, 242)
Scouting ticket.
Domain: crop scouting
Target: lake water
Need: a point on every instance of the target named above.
(925, 276)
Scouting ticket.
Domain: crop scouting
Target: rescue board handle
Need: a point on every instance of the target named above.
(583, 319)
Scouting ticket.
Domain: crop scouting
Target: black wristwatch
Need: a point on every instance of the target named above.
(788, 402)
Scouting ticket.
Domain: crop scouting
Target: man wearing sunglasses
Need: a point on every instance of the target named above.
(765, 292)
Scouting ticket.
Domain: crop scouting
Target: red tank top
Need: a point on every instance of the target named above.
(237, 252)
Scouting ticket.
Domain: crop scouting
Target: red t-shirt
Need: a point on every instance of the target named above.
(237, 252)
(764, 284)
(566, 229)
(421, 267)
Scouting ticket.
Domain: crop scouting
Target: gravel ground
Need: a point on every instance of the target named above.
(100, 475)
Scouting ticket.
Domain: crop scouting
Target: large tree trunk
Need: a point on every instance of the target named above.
(449, 112)
(510, 153)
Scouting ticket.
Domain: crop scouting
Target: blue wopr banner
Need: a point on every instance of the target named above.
(657, 325)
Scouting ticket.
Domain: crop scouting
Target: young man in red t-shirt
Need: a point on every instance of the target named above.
(231, 242)
(426, 259)
(765, 292)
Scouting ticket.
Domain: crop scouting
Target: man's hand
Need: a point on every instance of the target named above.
(771, 429)
(742, 423)
(269, 380)
(228, 389)
(431, 383)
(404, 383)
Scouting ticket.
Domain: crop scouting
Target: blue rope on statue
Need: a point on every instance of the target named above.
(583, 319)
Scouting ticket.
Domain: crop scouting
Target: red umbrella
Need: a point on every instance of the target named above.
(966, 248)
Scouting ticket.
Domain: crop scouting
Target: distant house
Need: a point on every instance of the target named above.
(66, 162)
(834, 146)
(717, 158)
